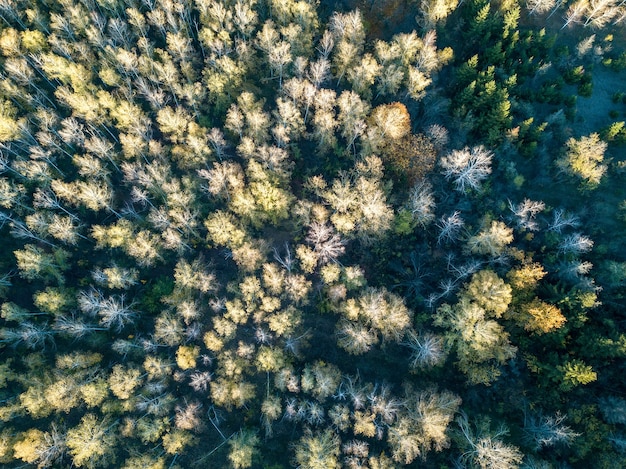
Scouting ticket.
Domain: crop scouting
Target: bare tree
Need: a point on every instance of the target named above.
(488, 451)
(427, 349)
(450, 227)
(544, 431)
(561, 220)
(576, 244)
(422, 203)
(32, 335)
(525, 212)
(468, 168)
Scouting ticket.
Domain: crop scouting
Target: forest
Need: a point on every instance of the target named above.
(312, 234)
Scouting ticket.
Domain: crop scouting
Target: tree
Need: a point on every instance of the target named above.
(363, 75)
(352, 113)
(486, 451)
(374, 312)
(63, 394)
(123, 381)
(262, 202)
(491, 241)
(525, 213)
(144, 247)
(27, 446)
(115, 277)
(186, 356)
(544, 431)
(317, 450)
(144, 462)
(575, 373)
(359, 203)
(326, 244)
(176, 440)
(482, 345)
(224, 230)
(243, 448)
(355, 338)
(583, 159)
(490, 292)
(541, 6)
(422, 424)
(321, 380)
(388, 122)
(575, 244)
(9, 126)
(526, 277)
(596, 13)
(467, 168)
(35, 263)
(410, 158)
(450, 227)
(541, 317)
(349, 35)
(43, 448)
(427, 349)
(435, 11)
(279, 57)
(113, 311)
(92, 442)
(422, 203)
(561, 220)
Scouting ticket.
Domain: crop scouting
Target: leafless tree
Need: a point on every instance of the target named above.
(450, 227)
(525, 213)
(547, 430)
(576, 244)
(468, 168)
(561, 220)
(427, 349)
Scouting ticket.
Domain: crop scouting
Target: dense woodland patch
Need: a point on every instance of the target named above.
(281, 234)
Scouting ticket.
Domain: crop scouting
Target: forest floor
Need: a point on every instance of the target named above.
(593, 112)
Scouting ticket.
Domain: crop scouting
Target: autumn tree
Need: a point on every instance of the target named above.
(583, 159)
(91, 443)
(373, 313)
(34, 262)
(387, 123)
(243, 447)
(435, 11)
(491, 241)
(318, 450)
(481, 343)
(422, 425)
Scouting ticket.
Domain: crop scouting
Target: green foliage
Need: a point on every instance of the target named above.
(152, 300)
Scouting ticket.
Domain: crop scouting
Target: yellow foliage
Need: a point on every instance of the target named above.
(584, 158)
(186, 356)
(124, 381)
(175, 442)
(526, 276)
(364, 424)
(542, 317)
(27, 447)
